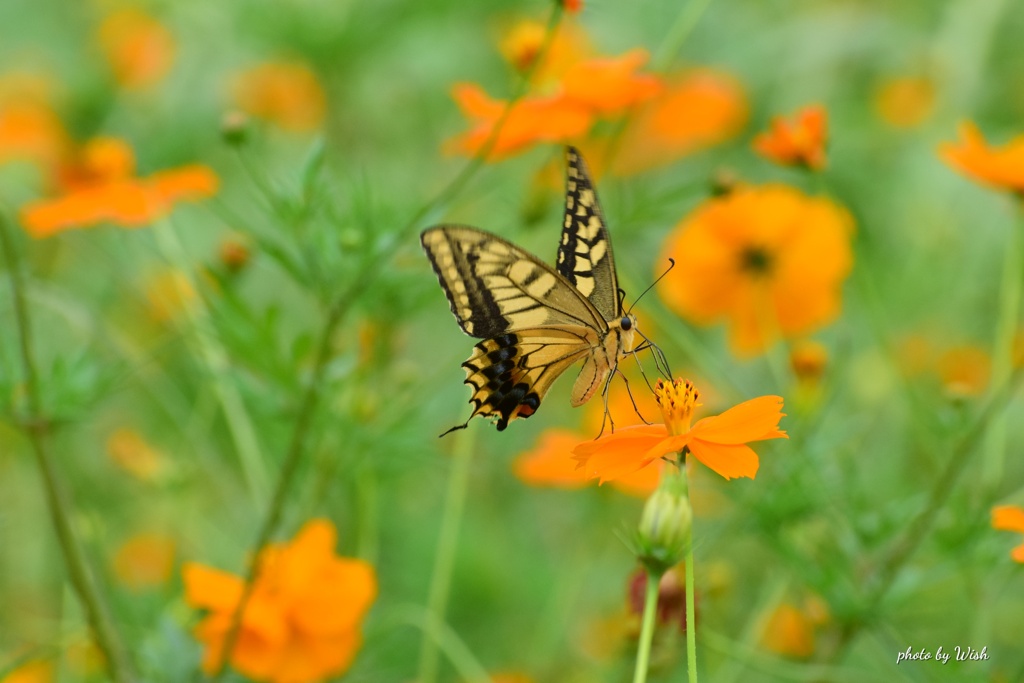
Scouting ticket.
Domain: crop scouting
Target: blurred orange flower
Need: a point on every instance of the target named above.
(104, 189)
(286, 93)
(789, 632)
(608, 85)
(696, 109)
(808, 359)
(999, 167)
(550, 464)
(139, 48)
(1010, 518)
(769, 259)
(569, 92)
(302, 621)
(36, 671)
(133, 454)
(905, 102)
(29, 128)
(965, 371)
(719, 442)
(522, 45)
(531, 120)
(799, 141)
(145, 561)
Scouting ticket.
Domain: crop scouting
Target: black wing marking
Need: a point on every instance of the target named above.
(585, 254)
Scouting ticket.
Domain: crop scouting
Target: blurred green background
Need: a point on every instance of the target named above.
(541, 577)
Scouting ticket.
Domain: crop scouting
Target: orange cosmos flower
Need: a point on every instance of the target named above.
(29, 128)
(696, 109)
(609, 85)
(789, 632)
(1010, 518)
(799, 141)
(302, 621)
(523, 42)
(145, 561)
(139, 48)
(105, 190)
(571, 91)
(288, 94)
(999, 167)
(769, 259)
(905, 102)
(531, 120)
(964, 371)
(718, 442)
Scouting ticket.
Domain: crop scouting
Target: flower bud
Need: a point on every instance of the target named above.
(664, 528)
(234, 128)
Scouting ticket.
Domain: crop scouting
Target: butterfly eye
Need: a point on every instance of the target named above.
(626, 324)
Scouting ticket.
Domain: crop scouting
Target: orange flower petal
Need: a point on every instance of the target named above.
(1002, 167)
(641, 483)
(730, 461)
(550, 463)
(341, 597)
(210, 589)
(620, 453)
(610, 85)
(1008, 518)
(752, 420)
(797, 141)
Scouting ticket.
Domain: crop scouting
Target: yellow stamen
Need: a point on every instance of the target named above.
(677, 400)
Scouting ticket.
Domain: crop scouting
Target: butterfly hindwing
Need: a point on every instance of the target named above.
(511, 373)
(585, 253)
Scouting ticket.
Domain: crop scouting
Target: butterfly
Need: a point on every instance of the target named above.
(535, 321)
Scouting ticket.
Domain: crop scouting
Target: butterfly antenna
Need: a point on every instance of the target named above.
(672, 264)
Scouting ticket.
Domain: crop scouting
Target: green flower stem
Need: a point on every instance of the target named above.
(455, 649)
(444, 560)
(237, 417)
(1002, 353)
(643, 653)
(293, 457)
(678, 33)
(691, 612)
(36, 427)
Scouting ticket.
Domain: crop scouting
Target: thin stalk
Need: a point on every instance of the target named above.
(691, 611)
(684, 24)
(1002, 353)
(37, 428)
(444, 560)
(643, 653)
(455, 649)
(240, 425)
(293, 457)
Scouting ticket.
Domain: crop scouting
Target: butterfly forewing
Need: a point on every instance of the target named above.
(585, 253)
(494, 286)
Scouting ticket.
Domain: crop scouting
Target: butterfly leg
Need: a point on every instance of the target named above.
(632, 400)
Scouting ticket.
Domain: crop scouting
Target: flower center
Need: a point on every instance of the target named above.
(677, 399)
(755, 260)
